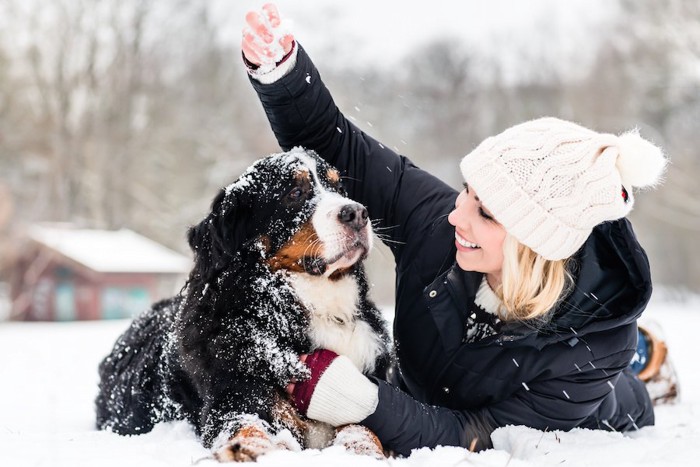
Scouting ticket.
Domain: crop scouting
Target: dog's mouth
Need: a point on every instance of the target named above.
(318, 266)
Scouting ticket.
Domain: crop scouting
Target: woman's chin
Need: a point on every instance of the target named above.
(465, 264)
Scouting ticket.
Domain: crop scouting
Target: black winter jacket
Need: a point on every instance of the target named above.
(572, 372)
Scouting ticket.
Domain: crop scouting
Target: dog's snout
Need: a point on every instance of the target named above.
(353, 215)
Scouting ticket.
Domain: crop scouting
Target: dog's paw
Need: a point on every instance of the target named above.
(246, 445)
(359, 440)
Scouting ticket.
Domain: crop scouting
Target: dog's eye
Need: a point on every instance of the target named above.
(295, 194)
(341, 187)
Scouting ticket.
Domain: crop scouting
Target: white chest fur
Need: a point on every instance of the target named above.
(334, 318)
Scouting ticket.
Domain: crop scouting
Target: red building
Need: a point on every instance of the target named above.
(65, 274)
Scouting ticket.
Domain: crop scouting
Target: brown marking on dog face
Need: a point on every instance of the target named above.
(302, 189)
(333, 176)
(340, 273)
(303, 177)
(304, 244)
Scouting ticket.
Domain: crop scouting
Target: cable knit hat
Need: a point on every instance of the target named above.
(549, 181)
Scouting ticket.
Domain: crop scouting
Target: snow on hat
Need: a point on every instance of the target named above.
(549, 181)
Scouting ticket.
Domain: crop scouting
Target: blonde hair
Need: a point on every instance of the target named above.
(531, 286)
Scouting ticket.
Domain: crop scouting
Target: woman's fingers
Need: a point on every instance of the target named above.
(287, 41)
(250, 48)
(255, 51)
(274, 19)
(265, 39)
(257, 25)
(272, 14)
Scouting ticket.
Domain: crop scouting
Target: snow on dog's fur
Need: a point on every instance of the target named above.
(277, 273)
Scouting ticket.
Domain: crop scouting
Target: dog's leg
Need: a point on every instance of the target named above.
(249, 442)
(285, 416)
(359, 440)
(254, 439)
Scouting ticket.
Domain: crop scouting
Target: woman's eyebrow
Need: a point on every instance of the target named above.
(466, 187)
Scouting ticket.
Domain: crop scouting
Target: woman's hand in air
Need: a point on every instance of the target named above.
(266, 38)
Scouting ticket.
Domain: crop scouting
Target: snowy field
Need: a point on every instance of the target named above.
(48, 382)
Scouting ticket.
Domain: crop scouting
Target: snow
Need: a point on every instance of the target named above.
(48, 377)
(112, 251)
(285, 161)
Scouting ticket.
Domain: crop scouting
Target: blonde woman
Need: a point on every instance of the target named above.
(517, 298)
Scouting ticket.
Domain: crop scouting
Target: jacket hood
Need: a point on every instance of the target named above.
(612, 283)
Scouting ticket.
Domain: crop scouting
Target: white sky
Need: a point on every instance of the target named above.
(384, 30)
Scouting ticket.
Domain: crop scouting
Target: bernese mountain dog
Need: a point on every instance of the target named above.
(277, 273)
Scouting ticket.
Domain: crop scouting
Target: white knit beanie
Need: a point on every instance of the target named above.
(549, 181)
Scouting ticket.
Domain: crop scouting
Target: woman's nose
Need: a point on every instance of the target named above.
(459, 216)
(455, 215)
(452, 216)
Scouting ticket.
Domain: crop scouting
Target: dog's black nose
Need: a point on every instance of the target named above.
(353, 215)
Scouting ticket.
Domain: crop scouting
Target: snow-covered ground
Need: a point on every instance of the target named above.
(48, 377)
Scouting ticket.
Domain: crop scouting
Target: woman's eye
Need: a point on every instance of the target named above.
(483, 214)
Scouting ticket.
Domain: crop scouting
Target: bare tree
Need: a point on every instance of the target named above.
(132, 113)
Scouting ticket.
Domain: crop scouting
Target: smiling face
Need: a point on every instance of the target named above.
(478, 237)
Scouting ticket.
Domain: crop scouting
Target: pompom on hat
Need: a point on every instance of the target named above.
(550, 181)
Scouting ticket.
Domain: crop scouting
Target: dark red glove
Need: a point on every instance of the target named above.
(317, 361)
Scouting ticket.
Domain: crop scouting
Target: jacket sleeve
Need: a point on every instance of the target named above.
(399, 197)
(467, 408)
(402, 423)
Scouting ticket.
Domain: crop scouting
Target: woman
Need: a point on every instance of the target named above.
(517, 298)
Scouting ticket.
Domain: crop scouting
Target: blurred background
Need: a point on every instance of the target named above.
(120, 119)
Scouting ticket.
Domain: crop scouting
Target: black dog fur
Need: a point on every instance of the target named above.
(229, 343)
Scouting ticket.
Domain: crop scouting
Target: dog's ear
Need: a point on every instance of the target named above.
(217, 238)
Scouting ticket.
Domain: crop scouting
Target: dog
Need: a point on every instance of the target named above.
(278, 272)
